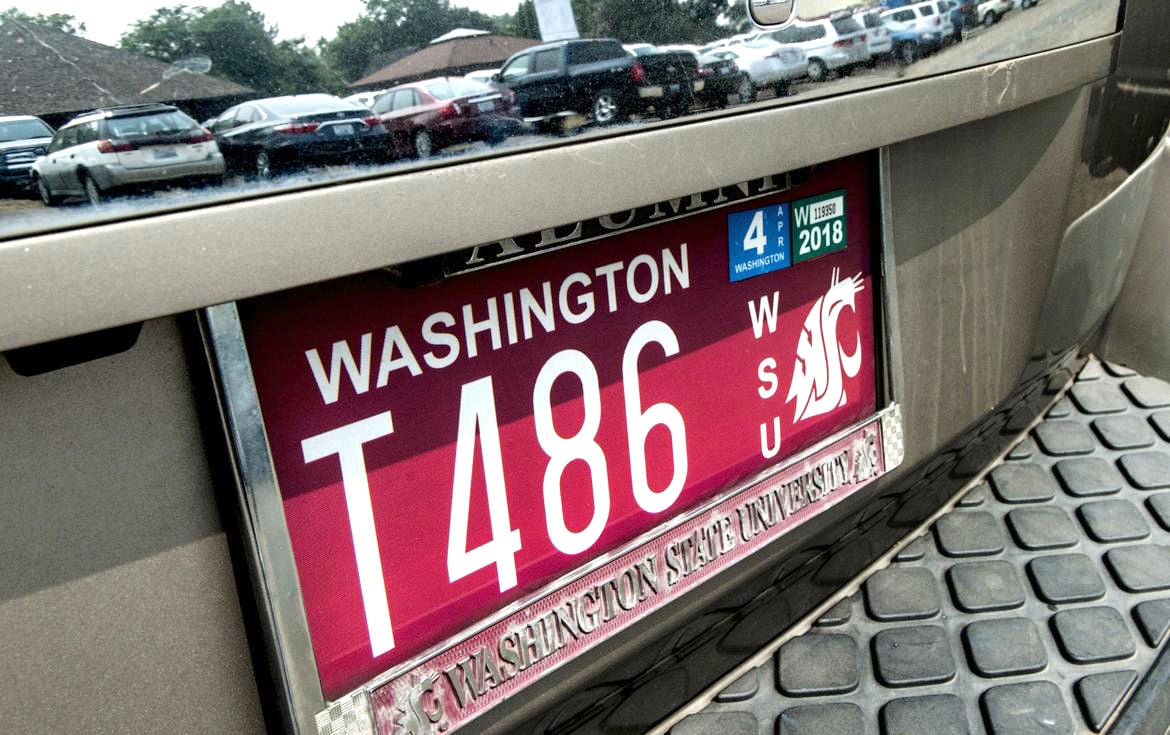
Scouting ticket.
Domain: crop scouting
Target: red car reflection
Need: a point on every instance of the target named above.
(423, 117)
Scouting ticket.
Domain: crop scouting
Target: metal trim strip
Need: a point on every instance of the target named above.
(266, 539)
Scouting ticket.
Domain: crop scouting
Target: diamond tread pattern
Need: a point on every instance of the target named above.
(1033, 607)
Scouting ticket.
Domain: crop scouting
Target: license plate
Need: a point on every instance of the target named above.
(163, 153)
(343, 131)
(485, 106)
(507, 467)
(675, 88)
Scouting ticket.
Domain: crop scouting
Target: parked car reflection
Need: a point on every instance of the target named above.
(915, 30)
(426, 116)
(831, 44)
(724, 82)
(599, 79)
(109, 151)
(878, 42)
(580, 86)
(991, 12)
(766, 64)
(22, 139)
(271, 136)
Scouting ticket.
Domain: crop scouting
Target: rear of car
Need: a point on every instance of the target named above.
(877, 36)
(124, 149)
(915, 30)
(152, 147)
(769, 63)
(436, 113)
(671, 79)
(720, 76)
(991, 11)
(277, 134)
(945, 24)
(22, 139)
(837, 44)
(963, 15)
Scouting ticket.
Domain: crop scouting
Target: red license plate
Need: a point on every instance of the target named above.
(446, 451)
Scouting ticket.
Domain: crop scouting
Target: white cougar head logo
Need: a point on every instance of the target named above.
(817, 385)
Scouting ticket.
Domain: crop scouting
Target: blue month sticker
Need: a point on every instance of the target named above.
(758, 241)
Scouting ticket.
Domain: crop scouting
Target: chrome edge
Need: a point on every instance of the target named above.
(891, 333)
(265, 535)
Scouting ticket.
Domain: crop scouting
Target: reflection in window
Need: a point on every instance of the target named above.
(222, 65)
(452, 87)
(23, 129)
(543, 61)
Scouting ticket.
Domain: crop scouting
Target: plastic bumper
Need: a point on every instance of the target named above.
(114, 176)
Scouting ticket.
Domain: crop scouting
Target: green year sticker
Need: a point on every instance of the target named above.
(818, 226)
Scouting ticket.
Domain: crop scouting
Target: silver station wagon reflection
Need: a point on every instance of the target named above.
(108, 151)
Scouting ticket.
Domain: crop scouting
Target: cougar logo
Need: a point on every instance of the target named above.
(817, 382)
(414, 716)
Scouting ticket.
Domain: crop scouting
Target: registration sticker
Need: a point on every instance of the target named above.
(758, 241)
(819, 225)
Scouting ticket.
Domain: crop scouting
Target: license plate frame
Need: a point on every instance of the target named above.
(164, 154)
(270, 537)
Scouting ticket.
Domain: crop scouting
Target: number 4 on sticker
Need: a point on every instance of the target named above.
(756, 237)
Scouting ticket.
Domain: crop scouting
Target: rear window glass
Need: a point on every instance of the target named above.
(404, 99)
(926, 10)
(584, 53)
(156, 124)
(456, 87)
(846, 25)
(549, 60)
(23, 129)
(813, 33)
(308, 103)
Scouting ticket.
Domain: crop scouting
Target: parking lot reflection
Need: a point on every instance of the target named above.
(76, 152)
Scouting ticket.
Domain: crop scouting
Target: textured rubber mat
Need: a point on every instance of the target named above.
(1033, 607)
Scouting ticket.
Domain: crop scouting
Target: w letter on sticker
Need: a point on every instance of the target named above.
(822, 364)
